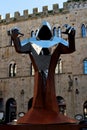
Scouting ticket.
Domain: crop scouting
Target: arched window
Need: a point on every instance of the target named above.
(85, 66)
(59, 32)
(83, 30)
(10, 39)
(61, 104)
(12, 69)
(11, 110)
(36, 32)
(32, 33)
(59, 68)
(54, 31)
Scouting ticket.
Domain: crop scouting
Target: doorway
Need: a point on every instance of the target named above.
(11, 109)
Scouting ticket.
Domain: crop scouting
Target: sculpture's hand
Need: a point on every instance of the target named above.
(15, 33)
(69, 30)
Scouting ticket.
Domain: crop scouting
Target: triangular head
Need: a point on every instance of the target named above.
(44, 32)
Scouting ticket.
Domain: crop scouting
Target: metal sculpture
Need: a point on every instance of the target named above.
(44, 50)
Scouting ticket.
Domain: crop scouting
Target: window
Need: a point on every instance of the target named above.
(54, 31)
(32, 34)
(83, 30)
(61, 104)
(59, 31)
(10, 39)
(85, 66)
(58, 68)
(12, 69)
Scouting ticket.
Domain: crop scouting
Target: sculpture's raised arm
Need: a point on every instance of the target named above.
(15, 36)
(70, 31)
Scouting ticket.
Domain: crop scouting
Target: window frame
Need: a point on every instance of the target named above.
(12, 69)
(83, 30)
(85, 66)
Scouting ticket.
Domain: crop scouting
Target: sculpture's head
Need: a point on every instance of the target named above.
(45, 32)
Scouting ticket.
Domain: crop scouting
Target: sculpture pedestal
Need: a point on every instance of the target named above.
(44, 127)
(43, 116)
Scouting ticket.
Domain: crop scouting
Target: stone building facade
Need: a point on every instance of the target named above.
(16, 72)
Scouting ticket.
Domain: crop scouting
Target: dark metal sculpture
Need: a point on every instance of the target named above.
(44, 49)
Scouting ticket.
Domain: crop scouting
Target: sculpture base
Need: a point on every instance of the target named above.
(42, 116)
(44, 127)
